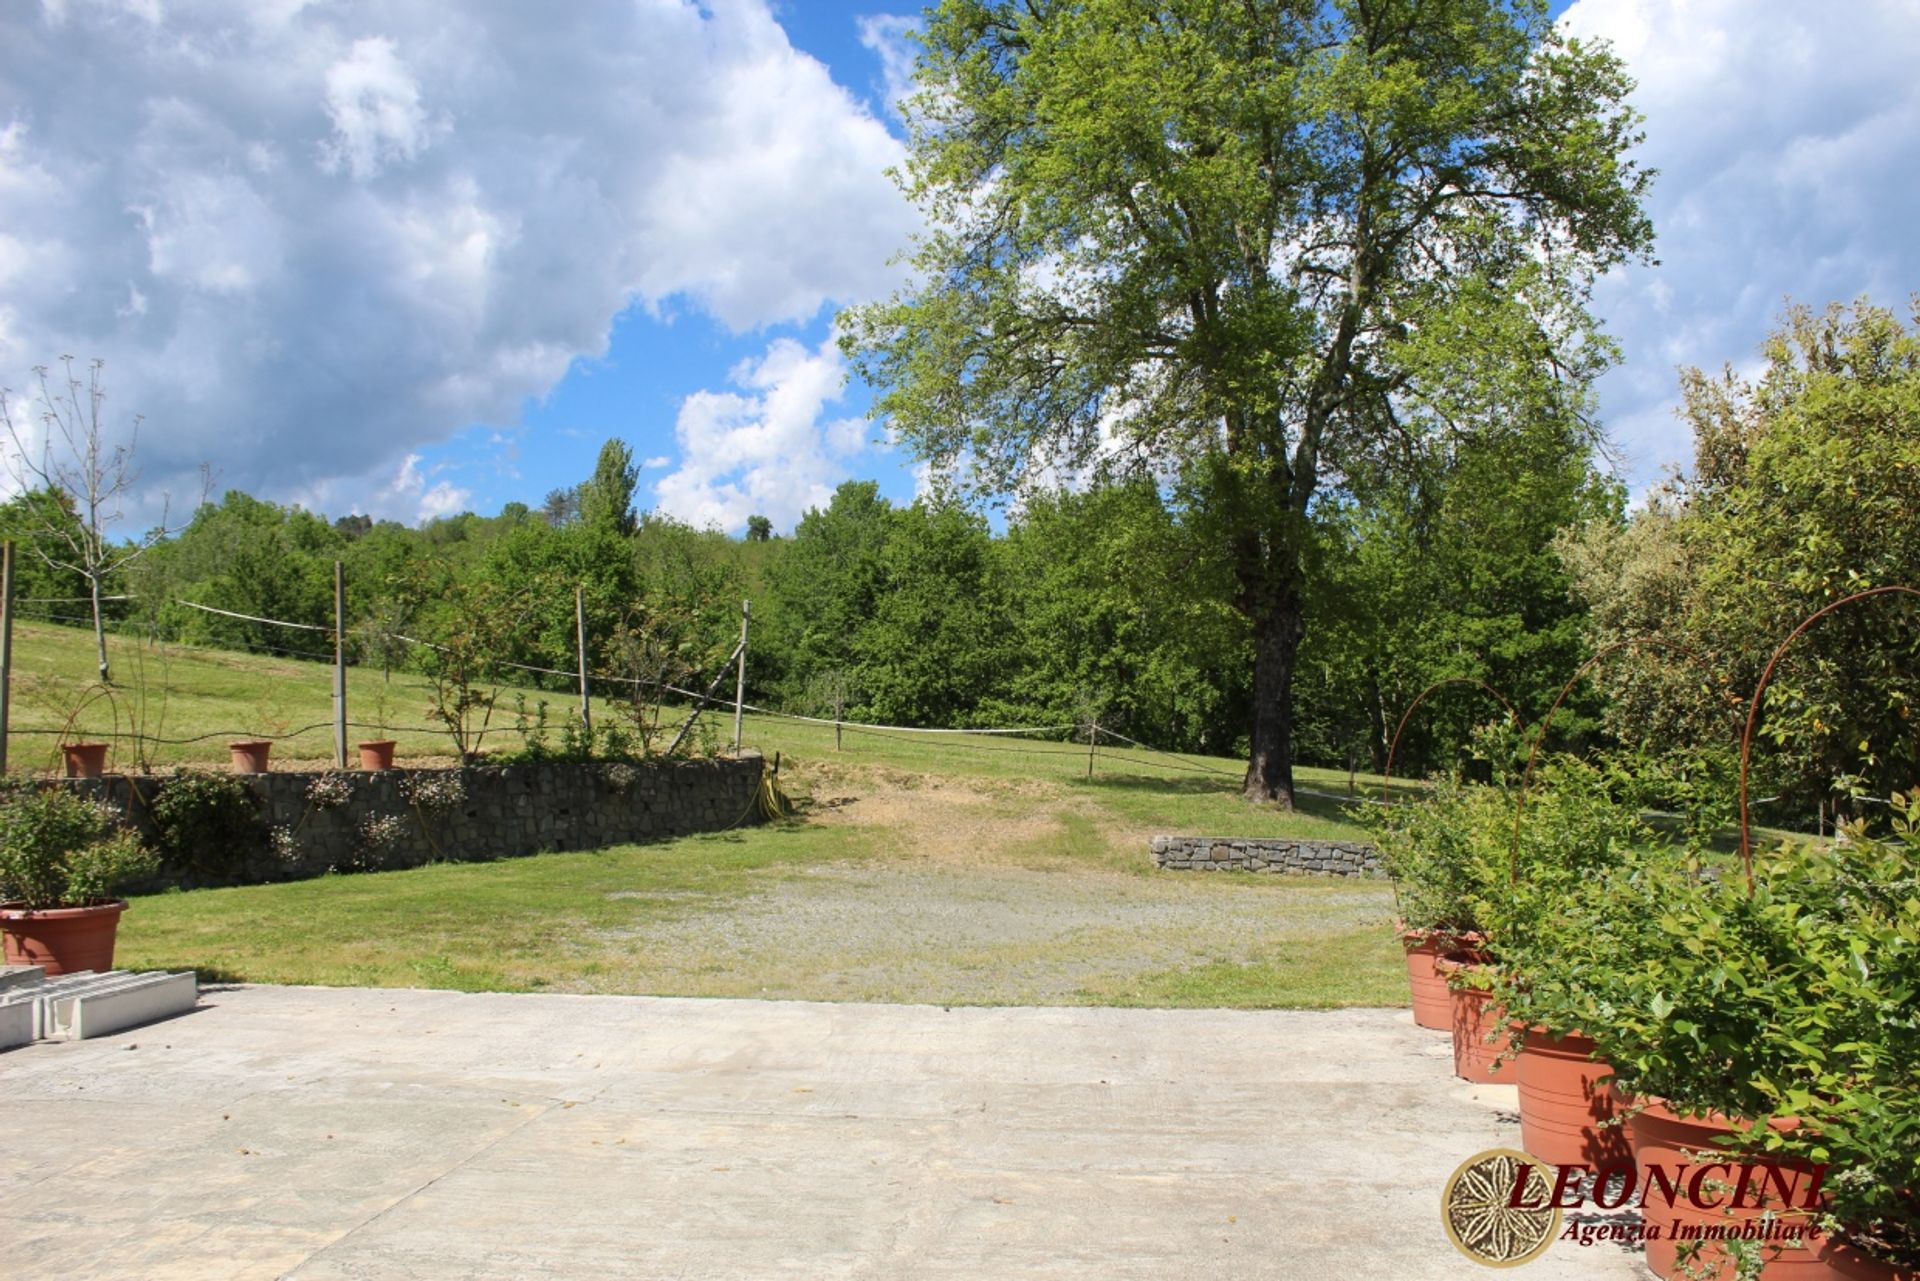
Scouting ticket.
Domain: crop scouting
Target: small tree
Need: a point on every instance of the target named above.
(77, 460)
(606, 499)
(478, 623)
(759, 529)
(828, 694)
(648, 657)
(561, 506)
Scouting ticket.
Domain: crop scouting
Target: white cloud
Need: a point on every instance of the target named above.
(890, 37)
(768, 451)
(411, 495)
(374, 103)
(311, 239)
(1788, 142)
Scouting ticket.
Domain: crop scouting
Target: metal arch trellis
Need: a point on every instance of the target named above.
(1753, 710)
(1386, 777)
(1540, 737)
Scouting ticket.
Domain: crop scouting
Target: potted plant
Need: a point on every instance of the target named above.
(62, 859)
(84, 760)
(250, 755)
(1581, 828)
(377, 753)
(1424, 848)
(1781, 1023)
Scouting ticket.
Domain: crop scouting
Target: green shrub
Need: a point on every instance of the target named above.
(58, 849)
(1800, 999)
(1441, 852)
(1455, 865)
(207, 825)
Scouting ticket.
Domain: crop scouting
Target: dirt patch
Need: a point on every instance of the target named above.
(1023, 893)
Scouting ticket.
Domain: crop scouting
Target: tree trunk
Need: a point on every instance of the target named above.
(1377, 743)
(1277, 629)
(99, 634)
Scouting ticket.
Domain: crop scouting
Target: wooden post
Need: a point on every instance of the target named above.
(339, 665)
(6, 644)
(1093, 737)
(580, 649)
(740, 681)
(836, 729)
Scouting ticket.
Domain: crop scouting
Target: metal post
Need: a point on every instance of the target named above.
(339, 665)
(740, 682)
(6, 644)
(580, 650)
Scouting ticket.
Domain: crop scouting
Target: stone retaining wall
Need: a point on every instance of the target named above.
(1266, 854)
(407, 817)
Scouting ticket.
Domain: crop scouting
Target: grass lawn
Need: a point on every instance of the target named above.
(938, 868)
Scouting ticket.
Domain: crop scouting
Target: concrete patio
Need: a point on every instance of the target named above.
(359, 1133)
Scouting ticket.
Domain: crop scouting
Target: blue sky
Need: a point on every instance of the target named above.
(413, 258)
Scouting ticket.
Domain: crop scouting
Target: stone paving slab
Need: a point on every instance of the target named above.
(355, 1133)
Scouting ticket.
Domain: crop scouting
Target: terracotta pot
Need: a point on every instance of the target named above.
(250, 757)
(1565, 1102)
(85, 760)
(1431, 1008)
(1854, 1266)
(1473, 1016)
(63, 939)
(377, 755)
(1661, 1137)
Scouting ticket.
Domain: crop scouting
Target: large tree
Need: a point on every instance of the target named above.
(1250, 244)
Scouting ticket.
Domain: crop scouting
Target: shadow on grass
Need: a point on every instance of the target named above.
(211, 976)
(1333, 809)
(1161, 786)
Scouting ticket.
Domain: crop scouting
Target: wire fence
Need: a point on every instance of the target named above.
(1096, 742)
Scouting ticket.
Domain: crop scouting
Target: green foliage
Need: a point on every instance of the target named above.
(936, 640)
(58, 849)
(44, 529)
(206, 824)
(1444, 853)
(1804, 487)
(1109, 593)
(475, 625)
(827, 583)
(1797, 1000)
(1250, 246)
(606, 500)
(1474, 858)
(1455, 576)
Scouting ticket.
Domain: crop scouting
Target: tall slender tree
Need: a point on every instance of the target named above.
(606, 499)
(1253, 245)
(73, 454)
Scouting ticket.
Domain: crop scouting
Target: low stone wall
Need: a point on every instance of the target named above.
(1266, 854)
(407, 817)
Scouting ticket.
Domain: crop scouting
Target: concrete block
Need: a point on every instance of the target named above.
(128, 1001)
(17, 1024)
(21, 976)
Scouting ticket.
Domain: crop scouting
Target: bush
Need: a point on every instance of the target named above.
(1453, 859)
(1800, 999)
(58, 849)
(207, 824)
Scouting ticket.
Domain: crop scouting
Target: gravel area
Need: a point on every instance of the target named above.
(933, 932)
